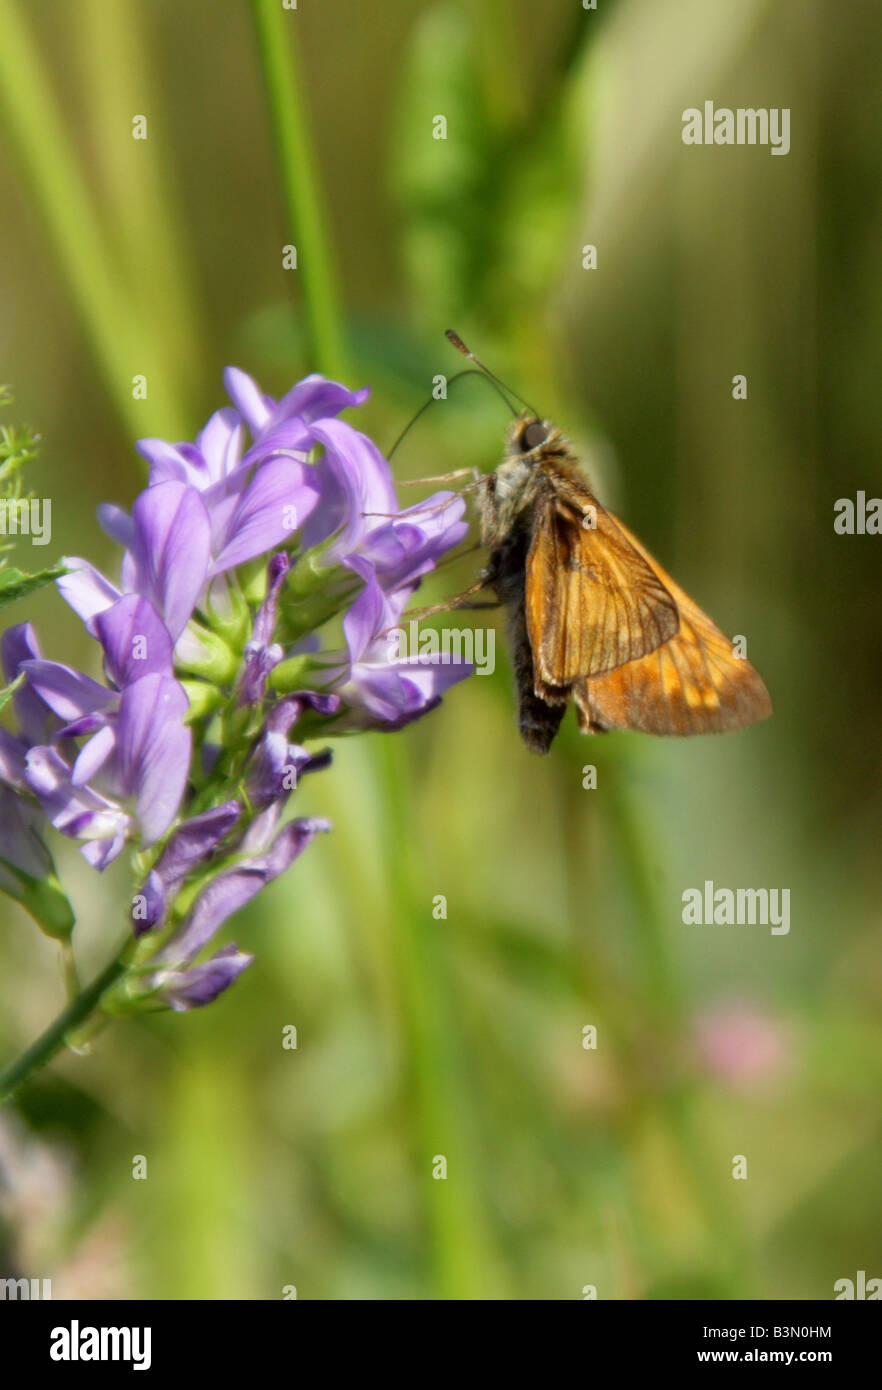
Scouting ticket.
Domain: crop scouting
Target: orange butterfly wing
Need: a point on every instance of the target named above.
(692, 684)
(594, 600)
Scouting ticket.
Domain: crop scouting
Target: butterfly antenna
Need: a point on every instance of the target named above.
(453, 337)
(466, 371)
(409, 426)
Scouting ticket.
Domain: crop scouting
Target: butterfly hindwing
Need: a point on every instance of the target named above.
(692, 684)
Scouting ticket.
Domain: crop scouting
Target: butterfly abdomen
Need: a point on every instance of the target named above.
(538, 720)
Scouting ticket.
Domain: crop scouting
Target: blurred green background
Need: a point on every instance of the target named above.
(462, 1037)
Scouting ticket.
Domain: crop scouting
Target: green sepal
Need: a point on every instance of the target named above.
(234, 623)
(204, 699)
(216, 662)
(294, 674)
(310, 575)
(125, 998)
(252, 577)
(299, 616)
(43, 898)
(7, 694)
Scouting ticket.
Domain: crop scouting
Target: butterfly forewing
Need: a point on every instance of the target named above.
(593, 601)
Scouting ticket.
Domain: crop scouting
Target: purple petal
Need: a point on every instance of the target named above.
(265, 622)
(313, 398)
(260, 656)
(258, 837)
(216, 452)
(316, 398)
(85, 588)
(274, 757)
(170, 552)
(382, 692)
(386, 688)
(244, 392)
(19, 644)
(195, 839)
(259, 661)
(232, 890)
(201, 984)
(154, 750)
(225, 895)
(76, 811)
(428, 680)
(290, 439)
(290, 843)
(192, 844)
(12, 759)
(276, 767)
(405, 549)
(372, 612)
(93, 755)
(356, 483)
(100, 853)
(262, 513)
(180, 463)
(220, 443)
(83, 727)
(116, 523)
(47, 773)
(20, 842)
(285, 712)
(67, 692)
(135, 640)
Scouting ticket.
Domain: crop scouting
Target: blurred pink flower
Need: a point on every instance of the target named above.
(740, 1042)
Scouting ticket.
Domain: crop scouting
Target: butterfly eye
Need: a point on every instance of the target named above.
(534, 435)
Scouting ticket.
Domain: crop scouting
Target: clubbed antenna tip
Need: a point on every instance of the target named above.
(457, 342)
(453, 337)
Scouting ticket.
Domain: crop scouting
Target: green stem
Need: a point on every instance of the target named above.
(664, 995)
(69, 970)
(46, 154)
(141, 214)
(500, 65)
(660, 980)
(301, 192)
(461, 1247)
(53, 1039)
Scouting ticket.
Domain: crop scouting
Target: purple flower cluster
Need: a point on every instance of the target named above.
(279, 517)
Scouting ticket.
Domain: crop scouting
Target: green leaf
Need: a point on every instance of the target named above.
(15, 584)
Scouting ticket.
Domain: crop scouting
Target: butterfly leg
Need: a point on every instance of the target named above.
(474, 473)
(457, 601)
(427, 510)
